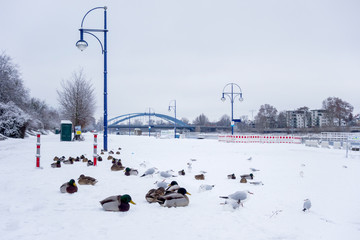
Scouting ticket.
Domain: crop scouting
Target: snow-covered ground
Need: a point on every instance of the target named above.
(32, 207)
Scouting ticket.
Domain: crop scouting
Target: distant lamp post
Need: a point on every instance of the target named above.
(174, 108)
(82, 45)
(232, 93)
(150, 119)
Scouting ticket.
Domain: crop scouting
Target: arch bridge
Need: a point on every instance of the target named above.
(123, 121)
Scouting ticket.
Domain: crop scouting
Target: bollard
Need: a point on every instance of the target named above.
(95, 149)
(38, 151)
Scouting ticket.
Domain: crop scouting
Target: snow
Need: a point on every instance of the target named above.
(32, 207)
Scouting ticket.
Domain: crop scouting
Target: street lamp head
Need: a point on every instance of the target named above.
(223, 99)
(241, 98)
(81, 44)
(169, 109)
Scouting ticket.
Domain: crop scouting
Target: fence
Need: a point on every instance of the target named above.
(260, 139)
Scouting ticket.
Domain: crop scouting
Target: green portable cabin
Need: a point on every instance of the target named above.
(66, 130)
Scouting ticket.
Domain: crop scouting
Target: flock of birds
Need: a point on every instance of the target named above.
(167, 195)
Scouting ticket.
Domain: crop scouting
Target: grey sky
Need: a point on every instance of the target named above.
(287, 53)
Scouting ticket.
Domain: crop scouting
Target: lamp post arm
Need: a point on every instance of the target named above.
(82, 22)
(102, 48)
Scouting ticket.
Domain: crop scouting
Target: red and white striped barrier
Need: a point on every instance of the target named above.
(38, 150)
(259, 139)
(95, 149)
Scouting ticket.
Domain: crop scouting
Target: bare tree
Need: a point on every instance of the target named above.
(224, 121)
(337, 110)
(281, 120)
(266, 117)
(77, 99)
(201, 120)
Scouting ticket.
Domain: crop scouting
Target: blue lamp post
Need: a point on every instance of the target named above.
(232, 95)
(82, 45)
(150, 119)
(174, 108)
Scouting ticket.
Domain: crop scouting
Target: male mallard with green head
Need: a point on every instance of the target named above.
(130, 171)
(69, 187)
(119, 203)
(175, 199)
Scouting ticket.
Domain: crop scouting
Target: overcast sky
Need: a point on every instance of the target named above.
(286, 53)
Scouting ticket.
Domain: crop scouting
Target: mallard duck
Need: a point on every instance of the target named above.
(90, 163)
(110, 158)
(172, 187)
(238, 196)
(181, 173)
(149, 172)
(111, 152)
(153, 194)
(130, 171)
(56, 164)
(307, 204)
(86, 180)
(69, 161)
(200, 177)
(56, 159)
(99, 158)
(118, 152)
(69, 187)
(231, 176)
(248, 176)
(175, 199)
(243, 180)
(119, 203)
(117, 166)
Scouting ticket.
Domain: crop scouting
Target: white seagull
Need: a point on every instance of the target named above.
(238, 196)
(148, 172)
(307, 204)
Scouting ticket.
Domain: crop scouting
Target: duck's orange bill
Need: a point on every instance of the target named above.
(188, 193)
(131, 201)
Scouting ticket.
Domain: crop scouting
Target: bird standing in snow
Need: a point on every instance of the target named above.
(238, 196)
(307, 204)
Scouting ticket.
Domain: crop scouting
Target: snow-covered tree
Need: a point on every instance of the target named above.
(13, 120)
(12, 87)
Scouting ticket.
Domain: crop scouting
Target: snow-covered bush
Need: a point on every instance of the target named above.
(13, 120)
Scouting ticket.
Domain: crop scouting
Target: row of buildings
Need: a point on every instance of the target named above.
(305, 119)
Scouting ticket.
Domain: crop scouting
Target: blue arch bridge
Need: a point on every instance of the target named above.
(124, 122)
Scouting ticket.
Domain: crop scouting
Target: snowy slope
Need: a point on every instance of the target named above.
(32, 207)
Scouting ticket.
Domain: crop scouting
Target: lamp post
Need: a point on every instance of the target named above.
(150, 120)
(174, 108)
(232, 94)
(82, 45)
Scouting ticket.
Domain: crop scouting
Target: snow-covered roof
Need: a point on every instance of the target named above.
(66, 121)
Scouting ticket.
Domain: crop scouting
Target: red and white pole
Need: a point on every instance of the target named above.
(95, 148)
(38, 151)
